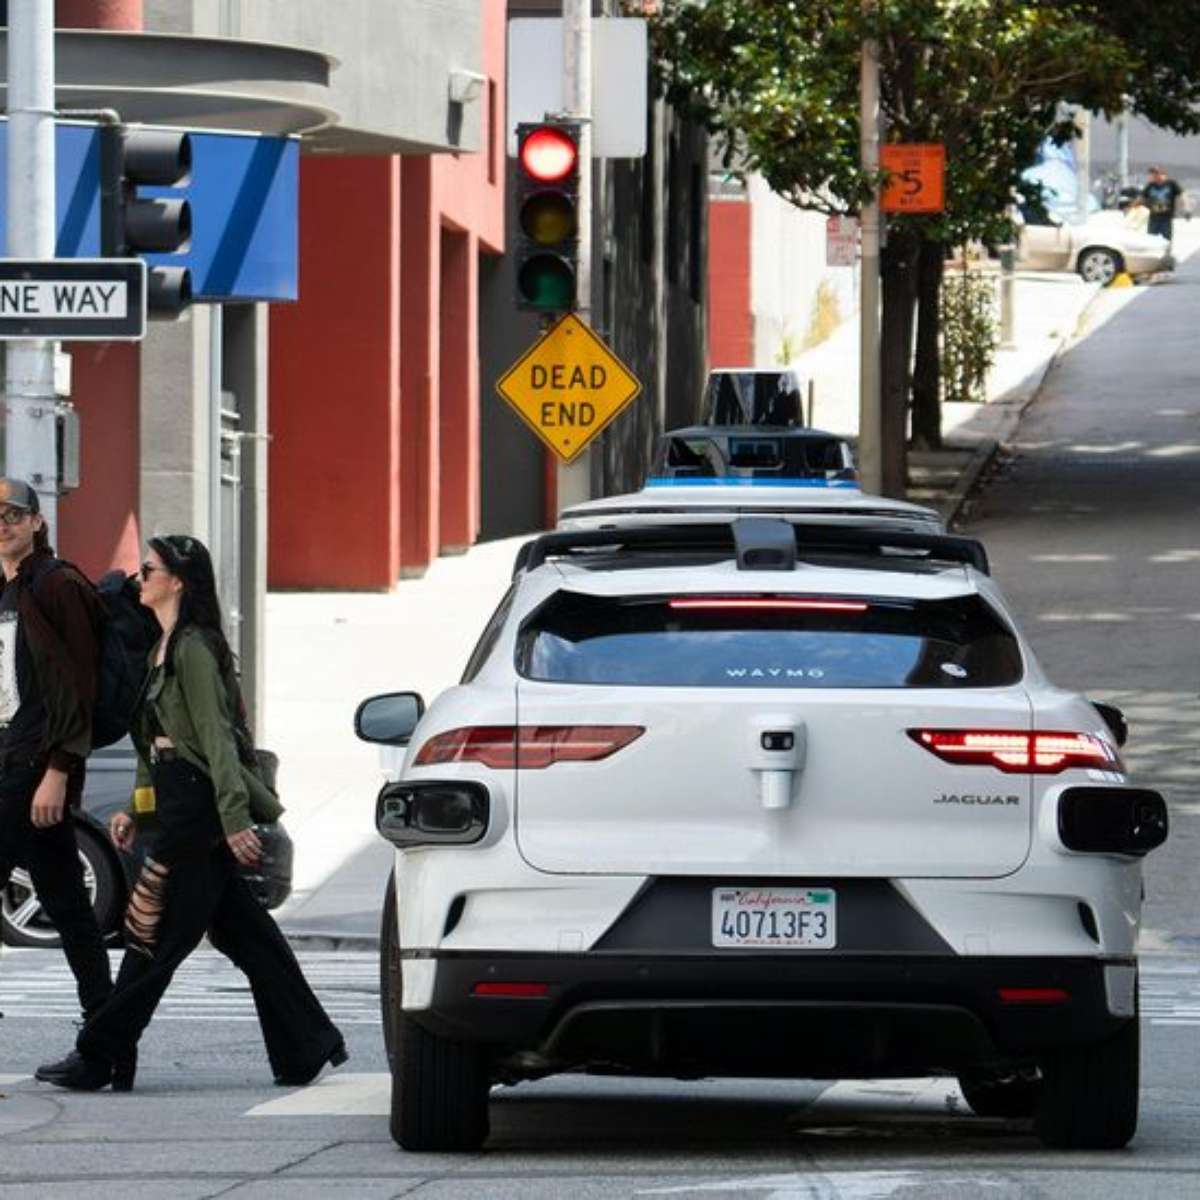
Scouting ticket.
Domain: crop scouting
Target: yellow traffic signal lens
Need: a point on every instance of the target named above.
(548, 154)
(545, 281)
(548, 218)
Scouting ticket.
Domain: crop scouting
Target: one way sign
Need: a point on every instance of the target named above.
(73, 299)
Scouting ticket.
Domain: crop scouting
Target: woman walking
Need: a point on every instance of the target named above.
(196, 773)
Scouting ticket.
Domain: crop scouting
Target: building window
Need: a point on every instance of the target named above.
(493, 140)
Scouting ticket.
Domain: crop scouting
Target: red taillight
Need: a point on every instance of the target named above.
(1034, 995)
(513, 991)
(768, 603)
(548, 154)
(1017, 752)
(530, 747)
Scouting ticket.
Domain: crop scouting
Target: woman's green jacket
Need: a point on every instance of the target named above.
(195, 706)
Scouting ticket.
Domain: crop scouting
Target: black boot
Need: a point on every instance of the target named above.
(302, 1076)
(124, 1070)
(77, 1073)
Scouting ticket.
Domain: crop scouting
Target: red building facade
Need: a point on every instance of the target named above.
(374, 459)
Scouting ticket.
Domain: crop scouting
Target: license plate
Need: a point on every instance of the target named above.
(775, 917)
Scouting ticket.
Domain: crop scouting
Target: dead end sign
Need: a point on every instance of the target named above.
(568, 386)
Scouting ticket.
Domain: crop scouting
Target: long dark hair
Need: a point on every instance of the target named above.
(188, 559)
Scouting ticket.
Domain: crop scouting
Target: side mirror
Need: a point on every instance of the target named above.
(389, 719)
(1114, 718)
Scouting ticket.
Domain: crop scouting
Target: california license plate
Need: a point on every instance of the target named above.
(804, 918)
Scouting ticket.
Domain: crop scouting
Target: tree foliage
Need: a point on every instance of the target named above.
(776, 81)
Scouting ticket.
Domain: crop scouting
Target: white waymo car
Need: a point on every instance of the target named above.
(761, 798)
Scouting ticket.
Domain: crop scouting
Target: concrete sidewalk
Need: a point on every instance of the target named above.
(327, 651)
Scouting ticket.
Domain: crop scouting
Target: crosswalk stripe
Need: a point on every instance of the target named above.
(336, 1095)
(36, 984)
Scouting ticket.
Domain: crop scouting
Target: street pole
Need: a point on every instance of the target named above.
(30, 405)
(1123, 147)
(870, 408)
(1083, 163)
(575, 478)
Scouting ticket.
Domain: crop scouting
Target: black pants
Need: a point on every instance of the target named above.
(205, 893)
(52, 857)
(1161, 224)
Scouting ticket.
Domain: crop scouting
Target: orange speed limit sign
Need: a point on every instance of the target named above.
(916, 181)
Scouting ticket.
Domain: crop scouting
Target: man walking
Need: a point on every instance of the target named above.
(1160, 195)
(50, 620)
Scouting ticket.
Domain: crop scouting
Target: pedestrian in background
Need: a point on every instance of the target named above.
(50, 623)
(199, 791)
(1160, 196)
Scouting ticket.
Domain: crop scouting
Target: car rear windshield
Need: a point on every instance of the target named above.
(768, 642)
(696, 456)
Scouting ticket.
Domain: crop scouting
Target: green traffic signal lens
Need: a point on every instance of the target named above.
(545, 281)
(548, 218)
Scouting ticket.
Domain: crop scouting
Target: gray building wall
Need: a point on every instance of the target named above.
(395, 59)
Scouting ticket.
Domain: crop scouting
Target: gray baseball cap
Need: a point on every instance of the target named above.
(16, 493)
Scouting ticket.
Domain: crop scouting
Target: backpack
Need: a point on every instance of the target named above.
(127, 634)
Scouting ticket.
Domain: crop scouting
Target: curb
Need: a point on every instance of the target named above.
(986, 453)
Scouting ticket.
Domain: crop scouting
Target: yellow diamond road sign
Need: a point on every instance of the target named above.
(568, 386)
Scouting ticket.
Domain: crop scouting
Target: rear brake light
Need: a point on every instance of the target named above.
(767, 603)
(530, 747)
(1017, 752)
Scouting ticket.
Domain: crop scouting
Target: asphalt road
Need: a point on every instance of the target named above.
(1093, 525)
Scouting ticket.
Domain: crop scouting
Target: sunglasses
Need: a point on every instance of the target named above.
(148, 568)
(13, 516)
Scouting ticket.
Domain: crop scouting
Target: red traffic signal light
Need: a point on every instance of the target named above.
(547, 200)
(549, 153)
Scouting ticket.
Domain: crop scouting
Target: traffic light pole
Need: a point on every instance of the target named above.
(575, 479)
(31, 450)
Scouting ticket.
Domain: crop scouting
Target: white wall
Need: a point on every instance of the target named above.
(787, 268)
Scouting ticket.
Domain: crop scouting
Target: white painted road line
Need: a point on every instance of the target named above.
(336, 1095)
(37, 985)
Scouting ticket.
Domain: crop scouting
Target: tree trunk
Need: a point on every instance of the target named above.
(898, 283)
(927, 372)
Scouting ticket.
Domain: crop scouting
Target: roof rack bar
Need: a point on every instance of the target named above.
(721, 536)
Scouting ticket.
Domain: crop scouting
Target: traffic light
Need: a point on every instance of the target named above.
(132, 224)
(547, 215)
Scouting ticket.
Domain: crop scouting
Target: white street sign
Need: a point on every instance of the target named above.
(619, 70)
(73, 299)
(841, 241)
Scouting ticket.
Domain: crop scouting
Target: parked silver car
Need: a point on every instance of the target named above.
(1098, 248)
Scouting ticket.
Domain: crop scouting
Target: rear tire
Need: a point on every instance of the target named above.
(1098, 265)
(992, 1096)
(23, 921)
(1089, 1096)
(439, 1091)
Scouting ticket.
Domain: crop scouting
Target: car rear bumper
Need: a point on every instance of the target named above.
(771, 1014)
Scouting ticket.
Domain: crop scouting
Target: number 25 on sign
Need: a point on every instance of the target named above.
(916, 177)
(568, 386)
